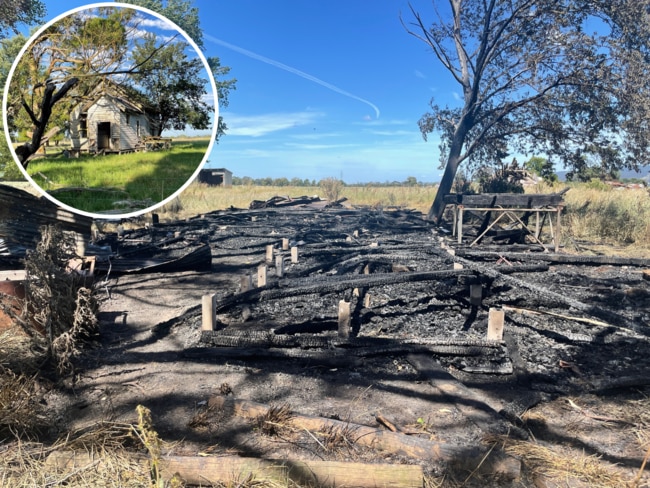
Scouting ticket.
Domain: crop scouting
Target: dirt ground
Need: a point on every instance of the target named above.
(554, 404)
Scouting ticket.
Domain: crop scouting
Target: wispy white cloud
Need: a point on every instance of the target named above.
(420, 74)
(318, 135)
(156, 23)
(299, 145)
(384, 123)
(260, 125)
(393, 133)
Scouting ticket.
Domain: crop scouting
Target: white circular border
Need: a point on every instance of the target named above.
(199, 167)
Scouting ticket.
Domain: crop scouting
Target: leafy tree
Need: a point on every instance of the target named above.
(542, 167)
(281, 181)
(9, 49)
(535, 79)
(12, 14)
(411, 181)
(15, 12)
(80, 51)
(184, 15)
(74, 53)
(172, 83)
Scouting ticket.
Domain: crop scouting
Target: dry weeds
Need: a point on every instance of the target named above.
(19, 414)
(60, 310)
(275, 421)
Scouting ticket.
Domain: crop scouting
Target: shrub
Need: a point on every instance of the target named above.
(331, 187)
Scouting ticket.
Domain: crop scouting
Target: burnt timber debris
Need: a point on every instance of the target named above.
(407, 289)
(363, 288)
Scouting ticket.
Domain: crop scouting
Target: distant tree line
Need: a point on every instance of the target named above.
(306, 182)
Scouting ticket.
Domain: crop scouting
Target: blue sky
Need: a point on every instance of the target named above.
(325, 89)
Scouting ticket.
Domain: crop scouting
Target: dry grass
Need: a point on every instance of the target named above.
(25, 465)
(613, 217)
(562, 465)
(200, 198)
(275, 421)
(338, 440)
(19, 413)
(593, 213)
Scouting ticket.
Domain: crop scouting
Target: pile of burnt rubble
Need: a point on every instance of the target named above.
(572, 323)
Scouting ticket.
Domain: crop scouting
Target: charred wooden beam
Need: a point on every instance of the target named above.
(555, 258)
(505, 200)
(284, 289)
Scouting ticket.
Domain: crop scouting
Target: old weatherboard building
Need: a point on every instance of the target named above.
(109, 121)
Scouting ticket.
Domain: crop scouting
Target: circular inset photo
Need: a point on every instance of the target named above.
(110, 110)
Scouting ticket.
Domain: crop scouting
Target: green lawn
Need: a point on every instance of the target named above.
(118, 182)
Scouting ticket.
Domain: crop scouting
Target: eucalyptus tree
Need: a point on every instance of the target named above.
(186, 16)
(15, 12)
(564, 78)
(70, 57)
(173, 85)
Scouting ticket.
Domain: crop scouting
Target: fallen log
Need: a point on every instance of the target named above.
(233, 470)
(466, 458)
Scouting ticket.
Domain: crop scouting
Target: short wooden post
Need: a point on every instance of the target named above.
(366, 300)
(475, 295)
(294, 254)
(246, 283)
(496, 319)
(344, 319)
(269, 253)
(460, 224)
(454, 225)
(285, 244)
(208, 309)
(557, 229)
(355, 233)
(279, 266)
(261, 275)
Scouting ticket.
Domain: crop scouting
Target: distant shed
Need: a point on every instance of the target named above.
(216, 177)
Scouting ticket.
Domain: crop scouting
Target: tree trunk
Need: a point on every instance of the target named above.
(50, 98)
(451, 168)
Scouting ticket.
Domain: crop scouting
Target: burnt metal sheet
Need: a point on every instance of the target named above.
(23, 214)
(151, 259)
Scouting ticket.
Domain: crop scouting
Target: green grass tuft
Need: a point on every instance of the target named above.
(100, 183)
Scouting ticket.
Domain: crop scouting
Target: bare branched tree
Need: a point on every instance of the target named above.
(534, 79)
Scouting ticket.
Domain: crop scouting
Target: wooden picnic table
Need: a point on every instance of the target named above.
(154, 143)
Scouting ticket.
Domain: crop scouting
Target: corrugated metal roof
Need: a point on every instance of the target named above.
(23, 214)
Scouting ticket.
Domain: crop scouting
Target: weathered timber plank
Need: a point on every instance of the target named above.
(231, 470)
(469, 458)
